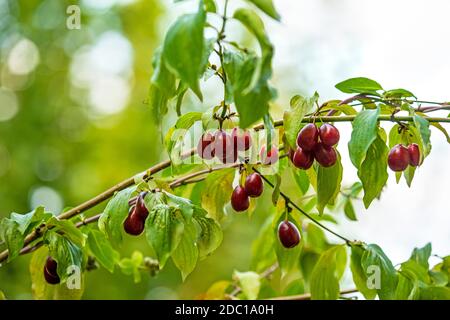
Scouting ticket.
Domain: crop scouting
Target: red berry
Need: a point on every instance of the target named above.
(414, 154)
(242, 139)
(50, 271)
(254, 185)
(141, 210)
(326, 156)
(224, 149)
(239, 199)
(133, 224)
(398, 158)
(329, 134)
(302, 159)
(308, 137)
(270, 157)
(288, 234)
(205, 147)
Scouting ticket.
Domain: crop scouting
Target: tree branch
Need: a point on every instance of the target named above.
(307, 296)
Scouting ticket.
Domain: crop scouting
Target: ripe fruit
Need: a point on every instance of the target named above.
(223, 147)
(254, 185)
(133, 224)
(398, 158)
(205, 147)
(288, 234)
(326, 156)
(242, 139)
(414, 154)
(308, 137)
(270, 157)
(239, 199)
(329, 134)
(141, 210)
(50, 271)
(302, 159)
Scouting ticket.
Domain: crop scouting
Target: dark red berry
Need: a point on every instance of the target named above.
(205, 147)
(308, 137)
(141, 210)
(270, 157)
(329, 134)
(288, 234)
(50, 271)
(133, 224)
(326, 156)
(242, 139)
(414, 154)
(302, 159)
(225, 151)
(254, 185)
(398, 158)
(239, 199)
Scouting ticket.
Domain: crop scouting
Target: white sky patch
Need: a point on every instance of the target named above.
(23, 57)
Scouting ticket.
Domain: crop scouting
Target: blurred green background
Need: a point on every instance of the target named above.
(74, 121)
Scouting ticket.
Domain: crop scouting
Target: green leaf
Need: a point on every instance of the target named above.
(115, 213)
(404, 288)
(249, 282)
(359, 85)
(102, 250)
(421, 255)
(162, 77)
(210, 237)
(263, 254)
(217, 192)
(276, 189)
(184, 48)
(2, 296)
(423, 126)
(359, 274)
(210, 6)
(157, 102)
(293, 118)
(328, 184)
(184, 205)
(131, 266)
(326, 274)
(373, 171)
(435, 293)
(398, 93)
(374, 256)
(187, 120)
(363, 135)
(66, 253)
(301, 179)
(267, 7)
(164, 230)
(349, 210)
(68, 229)
(41, 290)
(185, 255)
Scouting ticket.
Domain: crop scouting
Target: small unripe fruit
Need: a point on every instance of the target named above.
(133, 224)
(302, 159)
(270, 157)
(254, 185)
(288, 234)
(329, 134)
(326, 156)
(205, 147)
(239, 199)
(141, 210)
(242, 139)
(414, 154)
(50, 271)
(398, 158)
(308, 137)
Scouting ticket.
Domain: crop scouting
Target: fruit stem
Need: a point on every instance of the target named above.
(289, 201)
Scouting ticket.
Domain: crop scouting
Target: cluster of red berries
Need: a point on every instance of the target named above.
(288, 234)
(226, 147)
(253, 187)
(315, 143)
(134, 224)
(50, 273)
(400, 157)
